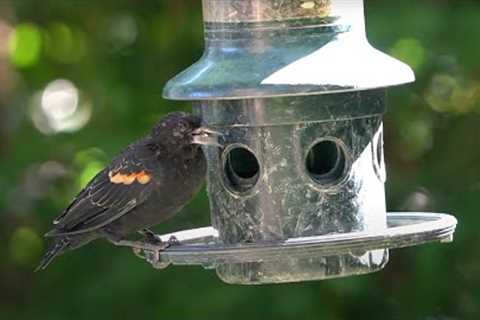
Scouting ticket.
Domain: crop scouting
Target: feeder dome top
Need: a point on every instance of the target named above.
(251, 53)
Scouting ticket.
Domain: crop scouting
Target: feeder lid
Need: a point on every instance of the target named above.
(331, 63)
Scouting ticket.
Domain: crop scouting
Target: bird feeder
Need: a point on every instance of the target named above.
(297, 191)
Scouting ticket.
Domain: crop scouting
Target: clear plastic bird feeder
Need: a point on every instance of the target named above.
(297, 192)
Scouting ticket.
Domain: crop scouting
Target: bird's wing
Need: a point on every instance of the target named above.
(115, 191)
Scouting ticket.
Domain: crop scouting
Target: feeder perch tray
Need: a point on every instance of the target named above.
(202, 247)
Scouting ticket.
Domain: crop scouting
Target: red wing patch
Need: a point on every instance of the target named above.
(141, 177)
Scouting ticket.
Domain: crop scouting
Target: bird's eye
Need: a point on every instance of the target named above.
(183, 126)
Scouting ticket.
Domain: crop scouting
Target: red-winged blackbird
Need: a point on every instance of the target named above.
(151, 180)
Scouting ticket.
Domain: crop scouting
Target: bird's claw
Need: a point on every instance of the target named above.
(153, 239)
(139, 252)
(150, 237)
(152, 257)
(153, 248)
(173, 241)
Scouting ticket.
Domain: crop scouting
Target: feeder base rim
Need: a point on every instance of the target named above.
(201, 246)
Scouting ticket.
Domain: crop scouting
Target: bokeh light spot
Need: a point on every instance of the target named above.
(83, 157)
(25, 246)
(65, 44)
(409, 50)
(448, 94)
(417, 135)
(90, 170)
(60, 99)
(59, 108)
(419, 200)
(89, 162)
(123, 31)
(24, 45)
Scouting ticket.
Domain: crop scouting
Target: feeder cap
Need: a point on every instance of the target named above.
(342, 65)
(287, 56)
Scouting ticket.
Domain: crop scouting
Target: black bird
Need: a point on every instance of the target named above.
(151, 180)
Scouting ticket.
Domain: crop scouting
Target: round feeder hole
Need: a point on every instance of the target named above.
(326, 162)
(241, 168)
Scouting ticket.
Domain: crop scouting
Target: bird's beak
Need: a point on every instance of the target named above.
(206, 137)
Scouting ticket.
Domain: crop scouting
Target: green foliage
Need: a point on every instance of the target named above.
(25, 44)
(117, 56)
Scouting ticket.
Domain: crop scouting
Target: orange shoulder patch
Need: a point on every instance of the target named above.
(143, 177)
(127, 179)
(115, 178)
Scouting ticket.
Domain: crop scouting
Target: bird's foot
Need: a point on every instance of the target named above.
(173, 241)
(149, 248)
(154, 256)
(150, 237)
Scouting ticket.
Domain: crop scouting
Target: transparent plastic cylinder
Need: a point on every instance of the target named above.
(235, 11)
(295, 167)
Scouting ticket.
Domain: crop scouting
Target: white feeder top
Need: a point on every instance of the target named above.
(271, 48)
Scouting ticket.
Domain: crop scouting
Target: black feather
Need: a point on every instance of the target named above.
(58, 246)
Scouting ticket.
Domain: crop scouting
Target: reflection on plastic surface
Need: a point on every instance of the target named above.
(358, 60)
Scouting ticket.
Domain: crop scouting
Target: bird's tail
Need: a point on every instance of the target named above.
(56, 248)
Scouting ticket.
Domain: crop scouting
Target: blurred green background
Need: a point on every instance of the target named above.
(108, 60)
